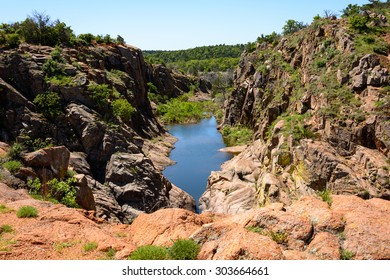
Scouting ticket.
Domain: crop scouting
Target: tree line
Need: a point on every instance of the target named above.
(40, 29)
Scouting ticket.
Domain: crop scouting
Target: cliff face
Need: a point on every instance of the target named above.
(66, 97)
(319, 105)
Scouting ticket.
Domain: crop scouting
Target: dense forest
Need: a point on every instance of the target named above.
(199, 59)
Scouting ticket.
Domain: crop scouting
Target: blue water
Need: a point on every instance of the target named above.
(196, 155)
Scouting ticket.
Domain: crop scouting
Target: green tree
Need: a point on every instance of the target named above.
(351, 10)
(49, 103)
(358, 23)
(292, 26)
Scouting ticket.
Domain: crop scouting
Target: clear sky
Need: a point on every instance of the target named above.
(175, 24)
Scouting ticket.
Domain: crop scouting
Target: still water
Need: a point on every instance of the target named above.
(196, 155)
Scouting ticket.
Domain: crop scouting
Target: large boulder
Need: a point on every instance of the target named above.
(165, 226)
(53, 159)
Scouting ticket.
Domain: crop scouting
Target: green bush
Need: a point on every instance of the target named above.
(178, 110)
(90, 246)
(6, 229)
(358, 23)
(53, 68)
(27, 212)
(236, 135)
(99, 94)
(64, 191)
(325, 196)
(62, 81)
(150, 252)
(346, 255)
(12, 166)
(184, 249)
(16, 151)
(123, 109)
(4, 209)
(49, 103)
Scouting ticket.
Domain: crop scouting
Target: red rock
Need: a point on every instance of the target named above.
(325, 246)
(318, 212)
(220, 242)
(165, 225)
(367, 227)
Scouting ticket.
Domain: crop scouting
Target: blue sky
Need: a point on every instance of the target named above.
(175, 24)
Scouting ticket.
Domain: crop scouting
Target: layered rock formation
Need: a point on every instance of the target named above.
(351, 228)
(319, 106)
(107, 149)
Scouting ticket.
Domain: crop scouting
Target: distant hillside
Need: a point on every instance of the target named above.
(199, 59)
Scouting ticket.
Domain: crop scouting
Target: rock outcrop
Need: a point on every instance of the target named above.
(106, 149)
(351, 228)
(319, 108)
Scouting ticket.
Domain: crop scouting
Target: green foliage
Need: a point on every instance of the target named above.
(27, 212)
(6, 229)
(184, 249)
(351, 10)
(325, 196)
(12, 40)
(34, 185)
(12, 166)
(123, 109)
(178, 110)
(150, 252)
(292, 26)
(346, 255)
(49, 103)
(200, 59)
(64, 191)
(358, 23)
(39, 29)
(236, 135)
(35, 144)
(99, 94)
(278, 237)
(52, 68)
(4, 209)
(294, 126)
(271, 39)
(62, 80)
(90, 246)
(110, 254)
(16, 151)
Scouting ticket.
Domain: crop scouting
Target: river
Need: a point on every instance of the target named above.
(196, 155)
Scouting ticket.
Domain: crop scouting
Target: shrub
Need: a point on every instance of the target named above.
(278, 237)
(123, 109)
(110, 254)
(27, 212)
(237, 135)
(34, 185)
(12, 166)
(62, 81)
(346, 255)
(184, 249)
(64, 191)
(53, 68)
(99, 94)
(149, 252)
(358, 23)
(6, 229)
(90, 246)
(16, 151)
(325, 196)
(178, 110)
(49, 103)
(4, 209)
